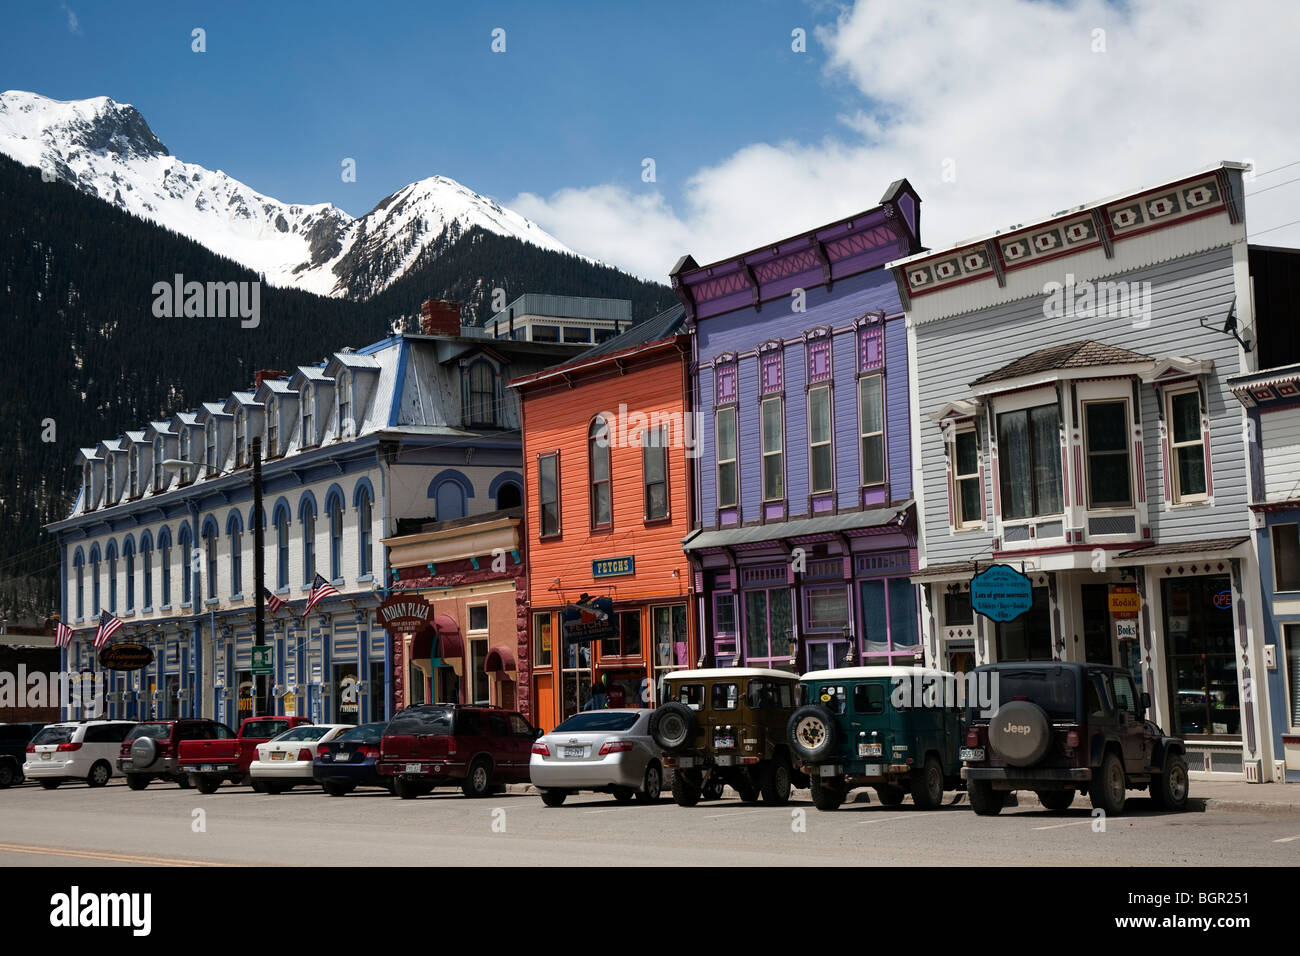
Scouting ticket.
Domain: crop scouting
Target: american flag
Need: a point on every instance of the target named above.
(320, 588)
(273, 602)
(108, 626)
(62, 634)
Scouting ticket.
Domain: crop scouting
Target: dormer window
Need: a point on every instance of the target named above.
(347, 427)
(482, 394)
(87, 479)
(157, 463)
(308, 416)
(210, 446)
(272, 427)
(108, 478)
(133, 471)
(241, 438)
(185, 452)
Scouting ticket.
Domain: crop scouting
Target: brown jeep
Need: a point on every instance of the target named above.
(726, 727)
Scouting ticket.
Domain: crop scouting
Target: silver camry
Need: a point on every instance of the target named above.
(609, 751)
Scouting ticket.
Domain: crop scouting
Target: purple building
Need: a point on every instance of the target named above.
(805, 534)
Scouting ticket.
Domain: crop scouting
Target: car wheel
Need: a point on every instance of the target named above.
(553, 798)
(51, 784)
(1107, 788)
(624, 794)
(258, 786)
(984, 800)
(748, 792)
(1170, 787)
(1055, 800)
(406, 789)
(137, 781)
(775, 783)
(827, 796)
(332, 788)
(713, 788)
(685, 793)
(99, 774)
(275, 789)
(927, 785)
(811, 731)
(7, 775)
(652, 786)
(183, 781)
(890, 795)
(206, 784)
(478, 783)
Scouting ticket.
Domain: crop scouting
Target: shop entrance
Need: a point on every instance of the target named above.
(1198, 626)
(1098, 628)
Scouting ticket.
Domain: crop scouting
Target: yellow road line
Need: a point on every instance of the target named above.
(108, 857)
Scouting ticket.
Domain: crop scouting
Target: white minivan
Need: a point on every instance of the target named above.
(76, 750)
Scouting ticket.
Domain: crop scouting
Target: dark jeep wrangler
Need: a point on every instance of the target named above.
(726, 727)
(1062, 727)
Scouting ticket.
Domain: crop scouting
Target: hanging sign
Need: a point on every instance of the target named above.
(1001, 593)
(403, 613)
(1124, 601)
(589, 619)
(125, 657)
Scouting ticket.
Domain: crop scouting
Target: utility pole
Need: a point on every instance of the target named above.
(259, 570)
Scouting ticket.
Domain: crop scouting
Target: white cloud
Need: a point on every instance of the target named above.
(1014, 97)
(73, 25)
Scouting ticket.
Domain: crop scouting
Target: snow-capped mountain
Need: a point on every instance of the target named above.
(108, 150)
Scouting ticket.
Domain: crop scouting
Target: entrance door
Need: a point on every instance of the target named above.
(1098, 647)
(347, 694)
(544, 702)
(1198, 625)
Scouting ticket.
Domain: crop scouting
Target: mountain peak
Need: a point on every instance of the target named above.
(99, 124)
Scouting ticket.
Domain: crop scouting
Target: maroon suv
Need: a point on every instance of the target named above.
(439, 745)
(151, 748)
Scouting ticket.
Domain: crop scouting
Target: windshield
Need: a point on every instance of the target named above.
(54, 735)
(435, 721)
(304, 733)
(1050, 688)
(152, 731)
(366, 733)
(264, 728)
(596, 721)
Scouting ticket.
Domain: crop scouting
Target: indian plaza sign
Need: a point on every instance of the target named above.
(403, 613)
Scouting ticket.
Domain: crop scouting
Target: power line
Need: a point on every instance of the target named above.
(1274, 186)
(1272, 228)
(1276, 168)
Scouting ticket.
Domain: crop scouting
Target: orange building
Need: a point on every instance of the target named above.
(607, 470)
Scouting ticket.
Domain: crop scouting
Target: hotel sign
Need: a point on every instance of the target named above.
(404, 612)
(613, 567)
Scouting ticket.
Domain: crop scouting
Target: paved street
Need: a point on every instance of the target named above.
(77, 826)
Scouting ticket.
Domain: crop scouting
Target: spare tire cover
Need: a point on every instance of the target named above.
(144, 751)
(672, 725)
(1020, 732)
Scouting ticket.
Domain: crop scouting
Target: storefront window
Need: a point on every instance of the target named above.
(576, 677)
(542, 640)
(1198, 625)
(768, 624)
(828, 608)
(1028, 637)
(957, 610)
(627, 643)
(888, 624)
(1291, 634)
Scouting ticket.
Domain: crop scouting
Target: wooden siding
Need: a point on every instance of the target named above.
(1279, 440)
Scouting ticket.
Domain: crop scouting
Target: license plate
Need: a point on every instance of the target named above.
(871, 770)
(340, 757)
(45, 755)
(412, 768)
(724, 743)
(575, 751)
(278, 755)
(869, 750)
(971, 753)
(207, 768)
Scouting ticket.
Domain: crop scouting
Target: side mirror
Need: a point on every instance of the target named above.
(1146, 702)
(538, 732)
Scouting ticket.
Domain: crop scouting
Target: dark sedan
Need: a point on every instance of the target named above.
(348, 761)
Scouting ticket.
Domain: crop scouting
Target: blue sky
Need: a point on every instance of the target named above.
(998, 113)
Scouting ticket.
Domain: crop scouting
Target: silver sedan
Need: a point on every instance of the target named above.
(609, 751)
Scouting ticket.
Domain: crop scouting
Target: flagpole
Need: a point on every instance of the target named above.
(259, 569)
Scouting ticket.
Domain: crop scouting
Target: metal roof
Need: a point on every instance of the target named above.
(1184, 548)
(798, 528)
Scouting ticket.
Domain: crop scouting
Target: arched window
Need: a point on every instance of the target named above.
(281, 520)
(210, 546)
(334, 508)
(95, 604)
(450, 500)
(186, 543)
(598, 456)
(509, 496)
(272, 427)
(308, 416)
(347, 427)
(235, 531)
(110, 555)
(307, 515)
(165, 565)
(482, 408)
(79, 567)
(365, 521)
(146, 568)
(128, 555)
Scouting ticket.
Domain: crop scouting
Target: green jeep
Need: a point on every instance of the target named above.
(897, 729)
(727, 727)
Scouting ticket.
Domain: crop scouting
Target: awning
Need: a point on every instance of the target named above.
(1183, 551)
(499, 659)
(799, 528)
(451, 646)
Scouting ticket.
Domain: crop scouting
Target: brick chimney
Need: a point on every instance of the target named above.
(440, 317)
(263, 374)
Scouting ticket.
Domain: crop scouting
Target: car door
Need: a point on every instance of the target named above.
(522, 735)
(501, 743)
(1132, 728)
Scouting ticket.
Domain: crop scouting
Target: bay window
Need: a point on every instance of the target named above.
(1029, 460)
(1106, 446)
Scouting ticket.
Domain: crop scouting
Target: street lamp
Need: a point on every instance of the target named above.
(259, 557)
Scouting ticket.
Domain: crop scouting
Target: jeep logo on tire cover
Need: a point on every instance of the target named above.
(1021, 729)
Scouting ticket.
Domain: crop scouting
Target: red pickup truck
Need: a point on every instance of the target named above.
(226, 755)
